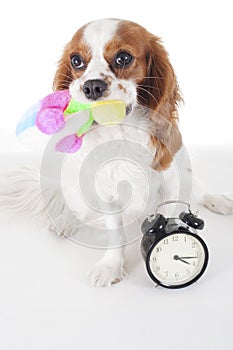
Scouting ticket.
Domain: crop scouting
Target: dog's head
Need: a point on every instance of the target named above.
(117, 59)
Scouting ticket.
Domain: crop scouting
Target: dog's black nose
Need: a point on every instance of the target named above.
(93, 89)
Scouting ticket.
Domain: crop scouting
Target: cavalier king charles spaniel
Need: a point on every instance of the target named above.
(113, 59)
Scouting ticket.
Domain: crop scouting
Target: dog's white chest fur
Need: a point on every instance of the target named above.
(111, 168)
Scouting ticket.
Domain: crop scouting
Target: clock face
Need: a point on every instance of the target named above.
(177, 260)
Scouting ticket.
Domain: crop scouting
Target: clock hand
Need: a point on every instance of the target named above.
(176, 257)
(188, 257)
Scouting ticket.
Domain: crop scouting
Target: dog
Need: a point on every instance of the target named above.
(113, 59)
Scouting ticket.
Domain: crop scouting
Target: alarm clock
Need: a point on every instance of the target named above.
(174, 254)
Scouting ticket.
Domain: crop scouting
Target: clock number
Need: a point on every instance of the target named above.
(175, 238)
(154, 259)
(157, 268)
(165, 241)
(177, 276)
(187, 272)
(166, 273)
(194, 244)
(158, 249)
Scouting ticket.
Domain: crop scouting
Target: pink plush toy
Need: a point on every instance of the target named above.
(50, 117)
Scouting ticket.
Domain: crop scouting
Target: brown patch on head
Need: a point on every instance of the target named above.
(129, 38)
(65, 73)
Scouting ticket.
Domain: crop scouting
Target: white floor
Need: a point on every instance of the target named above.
(47, 303)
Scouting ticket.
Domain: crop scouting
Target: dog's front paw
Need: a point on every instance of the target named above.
(104, 274)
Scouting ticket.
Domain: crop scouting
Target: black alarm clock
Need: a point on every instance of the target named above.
(174, 254)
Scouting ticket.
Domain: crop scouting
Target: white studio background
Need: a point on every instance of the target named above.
(198, 36)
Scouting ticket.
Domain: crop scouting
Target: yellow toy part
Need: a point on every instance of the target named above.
(108, 112)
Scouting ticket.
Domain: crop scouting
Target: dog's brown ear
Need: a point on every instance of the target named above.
(160, 84)
(165, 139)
(159, 92)
(63, 75)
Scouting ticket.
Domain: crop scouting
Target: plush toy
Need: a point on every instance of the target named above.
(49, 116)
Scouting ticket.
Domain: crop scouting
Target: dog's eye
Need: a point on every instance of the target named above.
(123, 59)
(77, 62)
